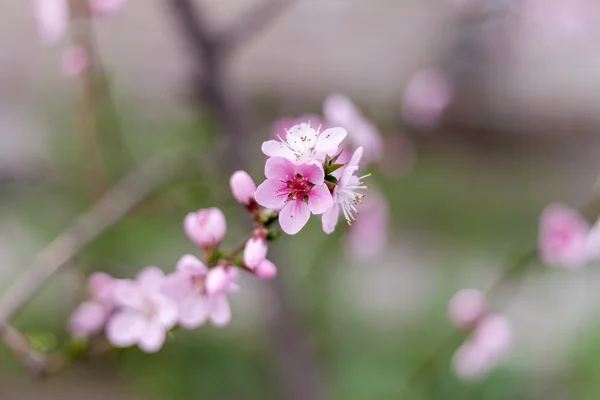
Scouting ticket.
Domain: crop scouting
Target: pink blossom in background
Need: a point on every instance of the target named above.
(52, 19)
(426, 97)
(90, 317)
(347, 194)
(201, 293)
(592, 243)
(282, 125)
(74, 61)
(266, 270)
(242, 187)
(295, 189)
(255, 251)
(205, 227)
(144, 315)
(304, 143)
(339, 110)
(484, 349)
(576, 19)
(369, 234)
(562, 237)
(106, 7)
(467, 307)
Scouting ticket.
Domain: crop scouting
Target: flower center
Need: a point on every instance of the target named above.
(297, 188)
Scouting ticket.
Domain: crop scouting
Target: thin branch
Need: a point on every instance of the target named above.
(130, 191)
(22, 348)
(252, 22)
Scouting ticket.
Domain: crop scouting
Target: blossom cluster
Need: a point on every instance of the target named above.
(490, 336)
(304, 176)
(566, 239)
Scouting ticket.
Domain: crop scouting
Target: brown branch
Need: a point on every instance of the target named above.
(126, 194)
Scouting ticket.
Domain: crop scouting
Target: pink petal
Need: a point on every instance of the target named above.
(193, 311)
(319, 199)
(329, 140)
(106, 7)
(467, 307)
(217, 280)
(52, 17)
(153, 338)
(255, 251)
(74, 61)
(128, 293)
(190, 265)
(470, 363)
(100, 285)
(275, 148)
(312, 170)
(151, 279)
(293, 216)
(301, 136)
(494, 336)
(356, 156)
(87, 320)
(220, 311)
(563, 233)
(279, 168)
(242, 187)
(340, 110)
(267, 194)
(125, 328)
(177, 285)
(330, 219)
(592, 243)
(266, 270)
(167, 311)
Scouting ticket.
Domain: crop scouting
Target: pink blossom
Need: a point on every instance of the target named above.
(426, 97)
(339, 110)
(242, 187)
(100, 285)
(145, 314)
(592, 243)
(266, 270)
(487, 346)
(282, 125)
(563, 235)
(205, 227)
(467, 307)
(296, 190)
(88, 319)
(200, 292)
(106, 7)
(369, 235)
(347, 194)
(304, 143)
(75, 61)
(255, 251)
(52, 18)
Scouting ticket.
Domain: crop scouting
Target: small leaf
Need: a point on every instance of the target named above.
(331, 178)
(335, 158)
(333, 167)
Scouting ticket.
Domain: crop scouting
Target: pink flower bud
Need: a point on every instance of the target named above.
(493, 335)
(562, 238)
(217, 280)
(242, 187)
(466, 308)
(106, 7)
(75, 61)
(205, 227)
(255, 251)
(88, 319)
(266, 270)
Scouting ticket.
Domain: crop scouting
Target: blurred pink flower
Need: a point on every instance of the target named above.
(106, 7)
(562, 237)
(266, 270)
(369, 235)
(205, 227)
(282, 125)
(467, 307)
(296, 189)
(575, 19)
(303, 143)
(255, 250)
(488, 345)
(339, 110)
(88, 319)
(426, 97)
(592, 243)
(347, 194)
(52, 18)
(242, 187)
(74, 61)
(144, 315)
(200, 292)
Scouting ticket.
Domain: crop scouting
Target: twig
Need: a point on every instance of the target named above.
(130, 191)
(21, 347)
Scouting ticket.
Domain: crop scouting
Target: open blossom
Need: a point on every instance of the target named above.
(303, 143)
(467, 307)
(484, 349)
(346, 195)
(339, 110)
(255, 250)
(144, 315)
(296, 190)
(89, 318)
(201, 294)
(205, 227)
(565, 238)
(242, 187)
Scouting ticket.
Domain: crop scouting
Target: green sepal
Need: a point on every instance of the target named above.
(333, 167)
(331, 178)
